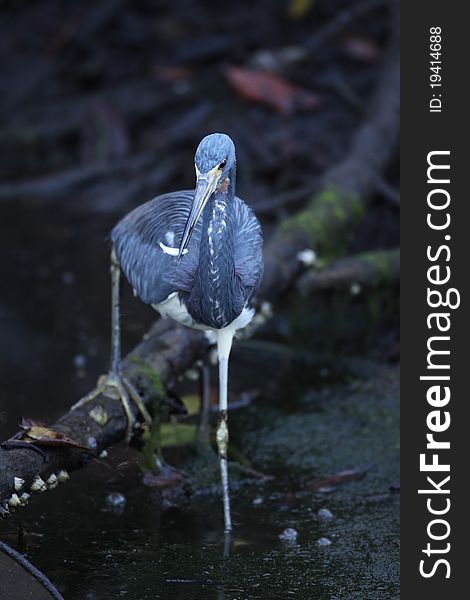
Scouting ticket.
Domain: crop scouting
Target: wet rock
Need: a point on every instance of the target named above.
(116, 500)
(92, 443)
(323, 541)
(324, 514)
(289, 535)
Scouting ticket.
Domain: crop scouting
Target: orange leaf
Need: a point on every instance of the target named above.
(271, 90)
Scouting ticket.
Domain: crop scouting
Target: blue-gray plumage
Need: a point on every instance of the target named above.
(222, 265)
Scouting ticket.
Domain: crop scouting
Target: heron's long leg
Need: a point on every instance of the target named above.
(224, 345)
(115, 314)
(116, 343)
(114, 380)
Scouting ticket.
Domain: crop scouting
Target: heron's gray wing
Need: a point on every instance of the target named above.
(248, 248)
(145, 241)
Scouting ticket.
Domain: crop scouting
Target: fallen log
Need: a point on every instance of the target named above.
(369, 270)
(165, 352)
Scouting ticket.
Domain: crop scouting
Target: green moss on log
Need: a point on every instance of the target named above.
(151, 378)
(327, 220)
(151, 457)
(385, 264)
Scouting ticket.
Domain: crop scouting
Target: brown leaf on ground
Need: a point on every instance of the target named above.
(329, 483)
(271, 90)
(166, 479)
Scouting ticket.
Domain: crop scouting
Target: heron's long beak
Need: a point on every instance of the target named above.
(205, 186)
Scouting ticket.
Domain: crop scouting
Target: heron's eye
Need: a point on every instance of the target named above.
(222, 164)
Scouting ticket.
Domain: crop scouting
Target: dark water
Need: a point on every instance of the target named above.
(307, 420)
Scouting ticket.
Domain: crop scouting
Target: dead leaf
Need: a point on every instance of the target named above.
(264, 87)
(166, 479)
(40, 434)
(330, 482)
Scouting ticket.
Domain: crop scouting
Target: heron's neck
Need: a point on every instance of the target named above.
(216, 250)
(215, 291)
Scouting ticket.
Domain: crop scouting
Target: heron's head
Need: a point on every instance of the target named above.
(215, 156)
(214, 161)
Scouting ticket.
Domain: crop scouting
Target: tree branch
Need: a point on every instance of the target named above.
(367, 269)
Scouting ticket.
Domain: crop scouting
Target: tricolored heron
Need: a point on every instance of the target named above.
(195, 256)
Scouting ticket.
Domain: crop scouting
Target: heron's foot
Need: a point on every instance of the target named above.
(115, 385)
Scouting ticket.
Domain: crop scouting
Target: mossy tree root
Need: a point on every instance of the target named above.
(369, 270)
